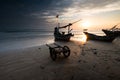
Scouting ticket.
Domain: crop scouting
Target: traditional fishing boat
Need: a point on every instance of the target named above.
(112, 32)
(62, 35)
(91, 36)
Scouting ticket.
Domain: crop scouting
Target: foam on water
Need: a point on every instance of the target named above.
(17, 40)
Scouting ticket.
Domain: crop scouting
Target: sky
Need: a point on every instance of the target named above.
(41, 14)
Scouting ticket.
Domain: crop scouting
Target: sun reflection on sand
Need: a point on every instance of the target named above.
(84, 38)
(81, 38)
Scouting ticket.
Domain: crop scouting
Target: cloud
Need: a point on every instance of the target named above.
(93, 6)
(72, 8)
(43, 12)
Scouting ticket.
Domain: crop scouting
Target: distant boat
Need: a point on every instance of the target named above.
(63, 36)
(91, 36)
(112, 32)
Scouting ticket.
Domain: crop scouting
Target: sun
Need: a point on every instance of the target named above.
(86, 24)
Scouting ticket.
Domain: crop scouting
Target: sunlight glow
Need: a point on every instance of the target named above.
(86, 24)
(84, 39)
(81, 38)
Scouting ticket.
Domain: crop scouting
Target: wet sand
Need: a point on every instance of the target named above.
(90, 61)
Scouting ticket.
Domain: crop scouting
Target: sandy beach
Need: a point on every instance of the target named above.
(87, 30)
(90, 61)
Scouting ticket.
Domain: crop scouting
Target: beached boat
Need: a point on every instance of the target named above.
(63, 36)
(112, 32)
(91, 36)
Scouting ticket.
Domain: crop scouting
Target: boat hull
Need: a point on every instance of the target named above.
(111, 33)
(62, 37)
(91, 36)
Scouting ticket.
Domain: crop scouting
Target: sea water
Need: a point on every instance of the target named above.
(17, 40)
(24, 39)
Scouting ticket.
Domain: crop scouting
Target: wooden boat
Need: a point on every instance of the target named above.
(63, 36)
(91, 36)
(112, 32)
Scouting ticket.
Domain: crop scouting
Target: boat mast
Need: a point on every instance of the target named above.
(57, 17)
(68, 29)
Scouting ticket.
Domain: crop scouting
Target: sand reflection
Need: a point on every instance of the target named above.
(82, 38)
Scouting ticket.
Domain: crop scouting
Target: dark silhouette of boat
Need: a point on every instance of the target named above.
(91, 36)
(63, 36)
(112, 32)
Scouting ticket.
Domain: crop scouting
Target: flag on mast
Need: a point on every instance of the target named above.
(57, 16)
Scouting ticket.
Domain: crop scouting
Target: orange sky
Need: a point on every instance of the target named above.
(94, 16)
(96, 21)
